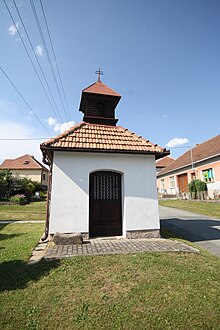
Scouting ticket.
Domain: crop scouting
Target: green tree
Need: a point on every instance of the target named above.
(5, 182)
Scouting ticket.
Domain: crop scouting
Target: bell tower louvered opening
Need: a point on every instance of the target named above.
(98, 103)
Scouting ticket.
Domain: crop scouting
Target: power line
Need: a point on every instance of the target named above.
(24, 139)
(39, 65)
(32, 63)
(180, 147)
(28, 105)
(47, 53)
(55, 59)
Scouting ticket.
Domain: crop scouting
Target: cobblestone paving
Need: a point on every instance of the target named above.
(116, 246)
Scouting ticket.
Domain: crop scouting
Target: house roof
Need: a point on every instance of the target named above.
(207, 149)
(22, 163)
(103, 138)
(164, 162)
(99, 88)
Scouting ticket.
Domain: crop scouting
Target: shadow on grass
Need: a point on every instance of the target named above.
(17, 274)
(9, 236)
(2, 225)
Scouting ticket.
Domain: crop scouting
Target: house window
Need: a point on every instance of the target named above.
(208, 175)
(193, 176)
(26, 162)
(162, 183)
(44, 176)
(172, 182)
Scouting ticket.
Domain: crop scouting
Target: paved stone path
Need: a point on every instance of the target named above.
(115, 246)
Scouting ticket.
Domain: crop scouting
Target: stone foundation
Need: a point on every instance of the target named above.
(68, 239)
(151, 233)
(85, 236)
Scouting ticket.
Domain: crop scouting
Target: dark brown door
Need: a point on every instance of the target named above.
(182, 182)
(105, 214)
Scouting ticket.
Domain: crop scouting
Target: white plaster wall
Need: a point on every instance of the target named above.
(213, 185)
(70, 190)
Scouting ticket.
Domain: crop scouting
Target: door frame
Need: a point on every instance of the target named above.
(122, 195)
(179, 178)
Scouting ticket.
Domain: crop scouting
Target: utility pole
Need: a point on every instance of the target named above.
(191, 155)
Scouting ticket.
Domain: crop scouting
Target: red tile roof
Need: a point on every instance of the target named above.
(164, 162)
(100, 88)
(22, 163)
(103, 138)
(207, 149)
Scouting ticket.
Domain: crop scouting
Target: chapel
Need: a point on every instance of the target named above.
(102, 176)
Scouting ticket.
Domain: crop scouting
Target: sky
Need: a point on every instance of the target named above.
(162, 56)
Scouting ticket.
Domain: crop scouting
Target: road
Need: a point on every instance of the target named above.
(196, 228)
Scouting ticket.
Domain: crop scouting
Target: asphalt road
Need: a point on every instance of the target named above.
(196, 228)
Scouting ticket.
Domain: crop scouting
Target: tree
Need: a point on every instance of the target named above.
(12, 185)
(5, 182)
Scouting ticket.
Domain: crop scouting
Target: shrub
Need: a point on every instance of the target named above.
(5, 181)
(192, 186)
(197, 188)
(16, 185)
(200, 185)
(19, 199)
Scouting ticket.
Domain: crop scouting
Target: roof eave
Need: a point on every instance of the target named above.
(189, 164)
(156, 154)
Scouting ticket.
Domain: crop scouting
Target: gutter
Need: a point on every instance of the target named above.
(46, 231)
(157, 154)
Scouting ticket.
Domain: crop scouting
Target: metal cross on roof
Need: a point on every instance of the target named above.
(99, 73)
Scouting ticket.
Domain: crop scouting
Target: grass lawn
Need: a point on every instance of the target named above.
(32, 211)
(141, 291)
(210, 209)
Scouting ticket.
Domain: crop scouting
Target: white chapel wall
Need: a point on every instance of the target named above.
(70, 190)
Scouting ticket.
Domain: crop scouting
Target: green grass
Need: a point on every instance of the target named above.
(141, 291)
(209, 209)
(32, 211)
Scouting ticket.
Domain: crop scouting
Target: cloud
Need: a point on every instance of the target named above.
(59, 127)
(15, 148)
(12, 30)
(39, 51)
(164, 116)
(176, 142)
(51, 121)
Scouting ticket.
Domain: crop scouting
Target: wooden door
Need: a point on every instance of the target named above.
(105, 213)
(183, 182)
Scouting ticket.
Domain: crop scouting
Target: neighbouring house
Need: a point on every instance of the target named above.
(201, 162)
(163, 162)
(27, 166)
(103, 177)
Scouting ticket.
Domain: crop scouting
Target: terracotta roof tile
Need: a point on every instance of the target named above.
(95, 137)
(201, 151)
(22, 163)
(100, 88)
(164, 162)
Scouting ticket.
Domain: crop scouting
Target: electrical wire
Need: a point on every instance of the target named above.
(177, 147)
(27, 104)
(54, 55)
(47, 54)
(32, 63)
(39, 65)
(24, 139)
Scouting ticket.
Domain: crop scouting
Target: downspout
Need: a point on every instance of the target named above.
(46, 231)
